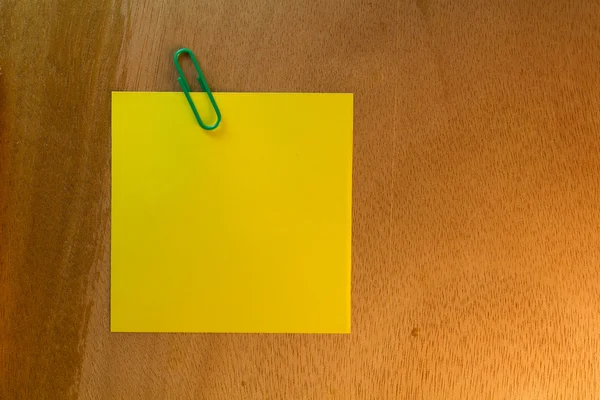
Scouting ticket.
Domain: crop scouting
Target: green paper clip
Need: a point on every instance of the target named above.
(186, 88)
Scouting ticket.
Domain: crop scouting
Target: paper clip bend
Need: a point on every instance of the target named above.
(186, 88)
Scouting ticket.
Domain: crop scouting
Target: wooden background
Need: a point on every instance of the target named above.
(476, 247)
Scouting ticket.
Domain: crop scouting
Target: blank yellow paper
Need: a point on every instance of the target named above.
(243, 229)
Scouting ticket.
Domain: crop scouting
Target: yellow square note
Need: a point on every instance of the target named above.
(246, 228)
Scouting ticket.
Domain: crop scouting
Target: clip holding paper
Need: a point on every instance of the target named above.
(186, 88)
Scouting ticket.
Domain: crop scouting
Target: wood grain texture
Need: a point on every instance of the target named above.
(476, 245)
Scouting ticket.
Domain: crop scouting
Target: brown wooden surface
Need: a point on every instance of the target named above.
(476, 247)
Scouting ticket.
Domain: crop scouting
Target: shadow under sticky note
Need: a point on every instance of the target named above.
(246, 228)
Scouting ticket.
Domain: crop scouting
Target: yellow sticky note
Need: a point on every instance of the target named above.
(246, 228)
